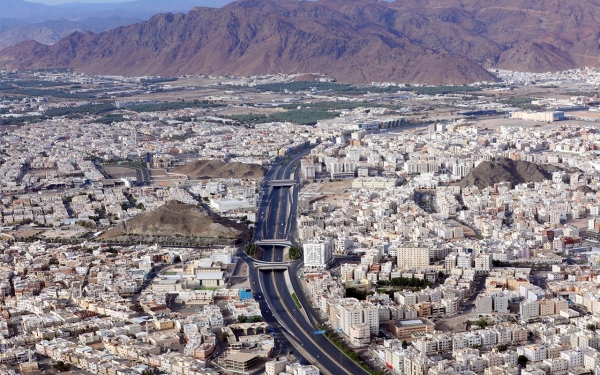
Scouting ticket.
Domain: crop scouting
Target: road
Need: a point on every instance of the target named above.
(277, 220)
(277, 208)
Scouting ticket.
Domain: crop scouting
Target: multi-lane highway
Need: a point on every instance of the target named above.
(294, 328)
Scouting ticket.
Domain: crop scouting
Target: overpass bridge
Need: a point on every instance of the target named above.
(280, 242)
(269, 267)
(282, 183)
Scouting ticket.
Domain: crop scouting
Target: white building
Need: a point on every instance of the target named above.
(318, 252)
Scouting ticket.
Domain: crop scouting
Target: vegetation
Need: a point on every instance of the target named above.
(92, 109)
(359, 90)
(522, 360)
(158, 80)
(521, 102)
(502, 347)
(20, 120)
(295, 253)
(481, 323)
(298, 116)
(60, 366)
(360, 295)
(251, 319)
(403, 281)
(158, 107)
(350, 353)
(109, 119)
(57, 93)
(251, 249)
(296, 301)
(306, 114)
(590, 327)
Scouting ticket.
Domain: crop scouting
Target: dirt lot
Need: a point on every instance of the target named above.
(338, 187)
(26, 233)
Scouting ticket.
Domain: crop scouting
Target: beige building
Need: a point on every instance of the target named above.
(412, 257)
(360, 334)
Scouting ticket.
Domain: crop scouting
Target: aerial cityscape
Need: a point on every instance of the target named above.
(289, 187)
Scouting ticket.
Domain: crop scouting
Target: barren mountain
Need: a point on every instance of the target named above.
(417, 41)
(176, 220)
(50, 32)
(203, 169)
(507, 170)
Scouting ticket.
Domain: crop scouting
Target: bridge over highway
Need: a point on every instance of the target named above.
(274, 242)
(282, 183)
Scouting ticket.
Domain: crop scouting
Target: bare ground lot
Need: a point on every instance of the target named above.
(336, 192)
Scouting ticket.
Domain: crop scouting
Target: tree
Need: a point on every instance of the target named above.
(242, 319)
(140, 206)
(502, 348)
(60, 366)
(294, 253)
(522, 360)
(177, 259)
(404, 344)
(251, 249)
(590, 327)
(481, 323)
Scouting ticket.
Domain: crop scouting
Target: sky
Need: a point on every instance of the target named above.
(54, 2)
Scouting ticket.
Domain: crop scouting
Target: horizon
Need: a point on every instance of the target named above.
(57, 2)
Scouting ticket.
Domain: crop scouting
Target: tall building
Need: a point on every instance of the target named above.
(318, 252)
(358, 312)
(412, 256)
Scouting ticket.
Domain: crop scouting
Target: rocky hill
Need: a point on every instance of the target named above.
(175, 222)
(204, 169)
(507, 170)
(361, 41)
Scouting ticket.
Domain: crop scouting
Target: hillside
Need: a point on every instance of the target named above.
(47, 24)
(507, 170)
(175, 221)
(51, 31)
(204, 169)
(356, 41)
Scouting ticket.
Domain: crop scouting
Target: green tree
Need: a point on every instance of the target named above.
(294, 253)
(251, 249)
(590, 327)
(360, 295)
(502, 348)
(481, 323)
(60, 366)
(404, 344)
(522, 360)
(177, 259)
(242, 319)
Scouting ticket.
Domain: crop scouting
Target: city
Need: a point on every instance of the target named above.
(273, 224)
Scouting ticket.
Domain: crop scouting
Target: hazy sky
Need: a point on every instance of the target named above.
(52, 2)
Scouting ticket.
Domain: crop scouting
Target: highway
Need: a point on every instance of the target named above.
(277, 220)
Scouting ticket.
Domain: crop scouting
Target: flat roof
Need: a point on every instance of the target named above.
(411, 322)
(209, 275)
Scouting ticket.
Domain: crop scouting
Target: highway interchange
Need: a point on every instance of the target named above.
(294, 328)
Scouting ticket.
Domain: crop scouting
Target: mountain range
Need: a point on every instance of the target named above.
(46, 24)
(361, 41)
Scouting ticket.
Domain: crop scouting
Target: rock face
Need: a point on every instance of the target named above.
(361, 41)
(204, 169)
(487, 174)
(178, 222)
